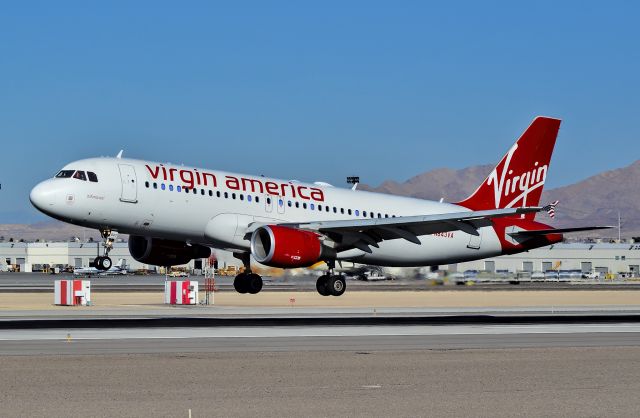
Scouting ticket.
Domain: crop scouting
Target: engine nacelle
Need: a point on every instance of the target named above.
(280, 246)
(162, 252)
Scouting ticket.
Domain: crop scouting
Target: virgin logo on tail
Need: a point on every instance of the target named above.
(505, 184)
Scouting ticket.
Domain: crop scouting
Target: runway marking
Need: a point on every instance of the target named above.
(315, 331)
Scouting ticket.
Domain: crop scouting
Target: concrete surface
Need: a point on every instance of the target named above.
(540, 382)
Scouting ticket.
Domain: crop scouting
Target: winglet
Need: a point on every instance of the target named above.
(120, 154)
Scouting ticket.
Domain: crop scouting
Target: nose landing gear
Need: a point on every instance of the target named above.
(109, 237)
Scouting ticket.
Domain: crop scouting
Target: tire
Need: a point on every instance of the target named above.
(240, 283)
(321, 285)
(336, 285)
(106, 263)
(97, 263)
(253, 283)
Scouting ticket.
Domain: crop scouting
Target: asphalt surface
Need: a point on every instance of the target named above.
(40, 282)
(407, 371)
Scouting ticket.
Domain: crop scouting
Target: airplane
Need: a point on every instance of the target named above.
(119, 268)
(174, 214)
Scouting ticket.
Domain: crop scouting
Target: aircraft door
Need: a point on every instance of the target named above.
(280, 204)
(475, 240)
(128, 180)
(268, 203)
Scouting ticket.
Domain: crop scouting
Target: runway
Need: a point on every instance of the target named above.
(360, 371)
(369, 354)
(321, 338)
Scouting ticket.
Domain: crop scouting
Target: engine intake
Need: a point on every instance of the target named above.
(280, 246)
(162, 252)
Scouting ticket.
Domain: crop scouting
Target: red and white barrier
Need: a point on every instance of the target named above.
(72, 292)
(181, 292)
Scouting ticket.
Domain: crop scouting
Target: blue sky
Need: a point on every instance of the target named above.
(313, 90)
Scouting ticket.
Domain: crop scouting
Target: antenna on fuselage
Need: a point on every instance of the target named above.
(120, 154)
(353, 180)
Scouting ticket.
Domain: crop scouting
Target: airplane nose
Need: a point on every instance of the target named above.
(43, 196)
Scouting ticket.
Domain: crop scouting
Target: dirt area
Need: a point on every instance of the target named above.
(444, 299)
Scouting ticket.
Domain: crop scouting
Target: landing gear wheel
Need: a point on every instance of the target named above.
(321, 285)
(240, 283)
(253, 283)
(106, 263)
(336, 285)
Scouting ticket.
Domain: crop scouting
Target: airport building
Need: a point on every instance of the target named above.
(603, 258)
(37, 256)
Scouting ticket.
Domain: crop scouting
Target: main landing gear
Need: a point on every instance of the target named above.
(247, 281)
(331, 284)
(108, 237)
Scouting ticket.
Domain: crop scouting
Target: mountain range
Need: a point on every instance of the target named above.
(593, 201)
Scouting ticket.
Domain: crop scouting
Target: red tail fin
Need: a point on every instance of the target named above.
(519, 177)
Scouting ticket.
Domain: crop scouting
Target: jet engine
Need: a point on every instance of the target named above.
(162, 252)
(281, 246)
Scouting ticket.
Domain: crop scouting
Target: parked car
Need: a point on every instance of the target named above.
(551, 276)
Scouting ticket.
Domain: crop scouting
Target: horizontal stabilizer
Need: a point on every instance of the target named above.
(540, 232)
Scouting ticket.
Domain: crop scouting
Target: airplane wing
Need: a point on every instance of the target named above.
(362, 233)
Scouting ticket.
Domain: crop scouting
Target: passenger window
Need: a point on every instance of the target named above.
(171, 187)
(326, 208)
(372, 215)
(241, 196)
(202, 192)
(195, 191)
(342, 211)
(146, 184)
(218, 193)
(289, 203)
(179, 188)
(185, 190)
(386, 215)
(335, 209)
(162, 186)
(304, 205)
(379, 216)
(65, 174)
(280, 203)
(357, 212)
(233, 196)
(92, 176)
(155, 185)
(349, 211)
(268, 200)
(364, 213)
(297, 204)
(80, 176)
(320, 207)
(226, 195)
(248, 198)
(312, 206)
(210, 193)
(257, 199)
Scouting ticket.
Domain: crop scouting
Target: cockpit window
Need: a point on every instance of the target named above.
(92, 176)
(80, 175)
(64, 174)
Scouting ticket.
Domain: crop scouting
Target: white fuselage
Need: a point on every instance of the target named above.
(142, 198)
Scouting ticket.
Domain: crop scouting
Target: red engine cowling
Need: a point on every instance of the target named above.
(280, 246)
